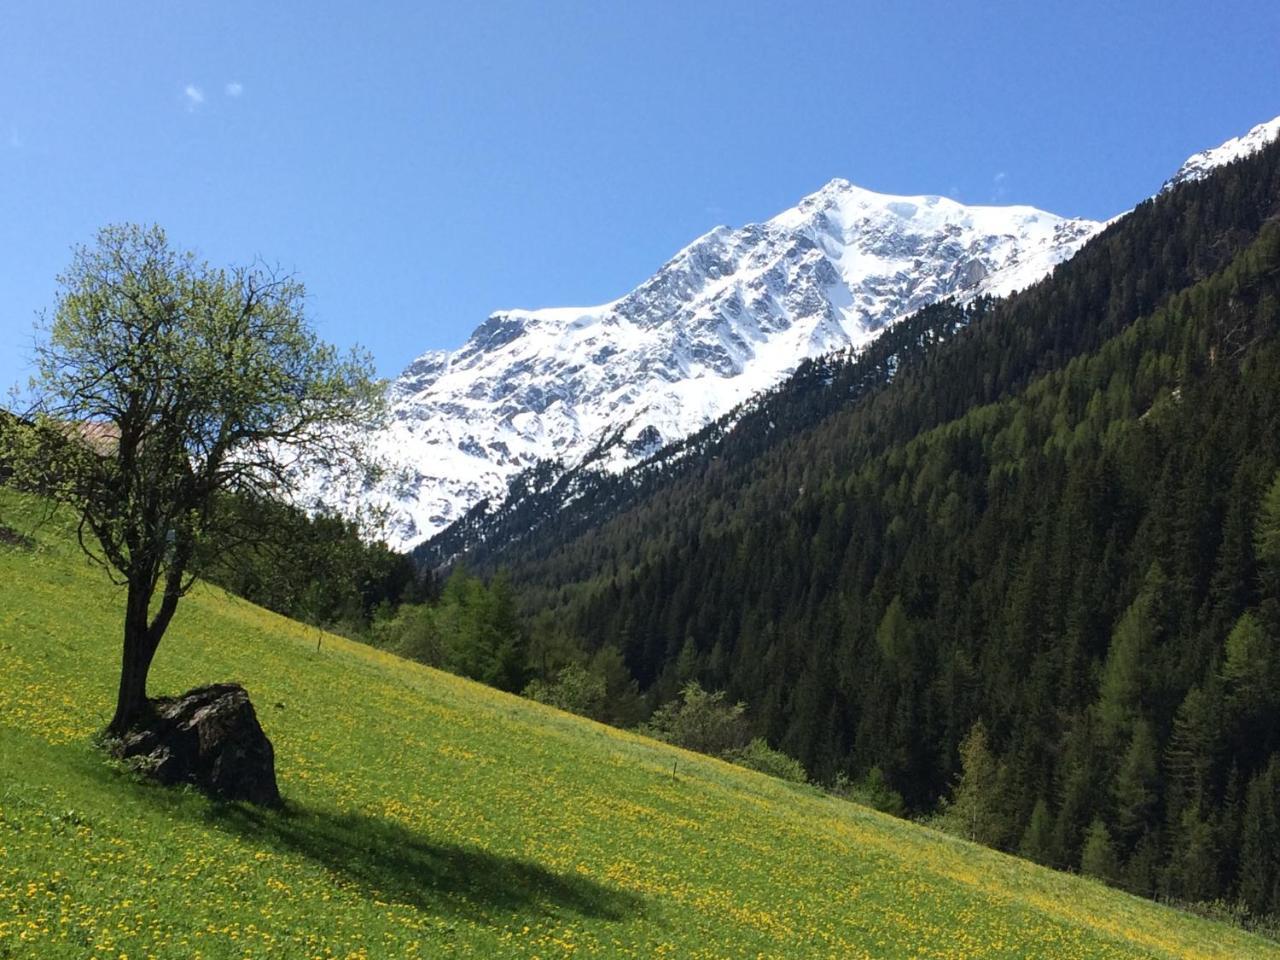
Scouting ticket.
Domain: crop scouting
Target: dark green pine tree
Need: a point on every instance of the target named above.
(1267, 540)
(1140, 872)
(1192, 749)
(1037, 839)
(1259, 877)
(1098, 858)
(1250, 675)
(1083, 788)
(1135, 640)
(1193, 872)
(1134, 793)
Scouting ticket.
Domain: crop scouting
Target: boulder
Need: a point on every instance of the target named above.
(209, 737)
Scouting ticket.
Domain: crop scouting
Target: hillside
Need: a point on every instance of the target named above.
(429, 816)
(1040, 515)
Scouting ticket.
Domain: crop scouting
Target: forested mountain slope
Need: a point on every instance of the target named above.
(550, 504)
(1159, 248)
(1058, 519)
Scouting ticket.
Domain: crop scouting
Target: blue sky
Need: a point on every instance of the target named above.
(420, 165)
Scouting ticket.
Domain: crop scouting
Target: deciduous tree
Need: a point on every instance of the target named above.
(163, 386)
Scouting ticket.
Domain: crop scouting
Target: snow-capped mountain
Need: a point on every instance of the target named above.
(1198, 165)
(728, 316)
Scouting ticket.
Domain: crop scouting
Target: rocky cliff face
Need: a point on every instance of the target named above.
(728, 316)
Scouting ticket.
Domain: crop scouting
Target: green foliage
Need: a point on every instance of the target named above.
(1260, 843)
(411, 632)
(623, 705)
(701, 721)
(473, 630)
(1135, 791)
(1136, 635)
(1193, 874)
(974, 811)
(575, 689)
(758, 755)
(1191, 752)
(165, 390)
(1248, 655)
(1267, 538)
(871, 791)
(894, 633)
(173, 382)
(1098, 858)
(1140, 873)
(598, 686)
(1037, 840)
(1250, 674)
(317, 569)
(482, 636)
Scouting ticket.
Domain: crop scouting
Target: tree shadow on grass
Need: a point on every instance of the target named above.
(396, 865)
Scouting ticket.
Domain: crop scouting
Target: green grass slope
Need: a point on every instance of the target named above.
(428, 816)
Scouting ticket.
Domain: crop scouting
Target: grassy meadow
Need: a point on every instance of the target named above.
(428, 816)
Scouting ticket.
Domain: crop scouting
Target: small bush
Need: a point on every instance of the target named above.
(758, 755)
(871, 791)
(412, 633)
(574, 689)
(701, 721)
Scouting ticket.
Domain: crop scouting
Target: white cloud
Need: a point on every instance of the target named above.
(998, 189)
(194, 95)
(234, 88)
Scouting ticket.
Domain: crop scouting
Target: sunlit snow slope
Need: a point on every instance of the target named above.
(726, 317)
(1198, 165)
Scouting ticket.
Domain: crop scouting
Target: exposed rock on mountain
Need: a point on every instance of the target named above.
(728, 316)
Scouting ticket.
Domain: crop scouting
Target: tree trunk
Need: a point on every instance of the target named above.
(139, 650)
(142, 635)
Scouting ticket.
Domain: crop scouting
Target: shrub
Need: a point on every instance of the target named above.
(701, 721)
(574, 689)
(758, 755)
(871, 791)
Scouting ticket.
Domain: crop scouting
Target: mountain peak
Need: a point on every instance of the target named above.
(728, 316)
(837, 185)
(840, 190)
(1198, 165)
